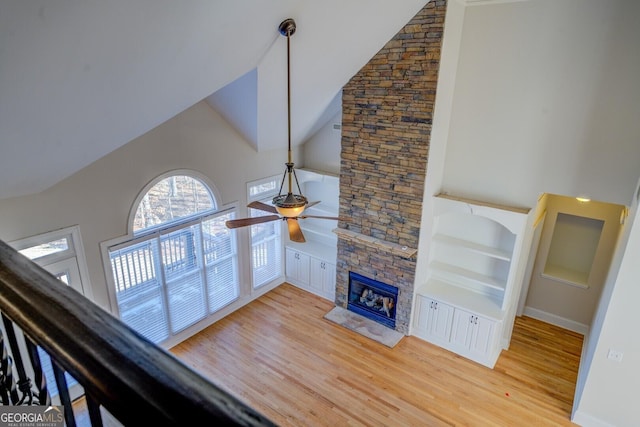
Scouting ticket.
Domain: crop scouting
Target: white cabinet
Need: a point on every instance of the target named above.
(472, 333)
(457, 330)
(311, 273)
(476, 265)
(297, 267)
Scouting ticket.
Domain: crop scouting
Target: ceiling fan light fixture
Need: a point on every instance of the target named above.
(290, 205)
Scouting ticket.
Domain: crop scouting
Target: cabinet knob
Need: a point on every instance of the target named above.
(470, 319)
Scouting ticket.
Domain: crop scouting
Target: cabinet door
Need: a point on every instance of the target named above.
(318, 275)
(329, 280)
(290, 264)
(297, 267)
(303, 268)
(423, 311)
(323, 278)
(440, 318)
(482, 339)
(462, 329)
(472, 334)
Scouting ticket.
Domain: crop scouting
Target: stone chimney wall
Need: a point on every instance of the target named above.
(387, 111)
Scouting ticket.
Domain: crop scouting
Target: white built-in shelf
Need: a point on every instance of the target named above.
(474, 244)
(321, 242)
(321, 209)
(473, 247)
(484, 305)
(461, 276)
(474, 258)
(320, 226)
(506, 208)
(567, 276)
(319, 230)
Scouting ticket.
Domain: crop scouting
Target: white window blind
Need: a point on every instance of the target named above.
(171, 279)
(221, 261)
(266, 243)
(266, 250)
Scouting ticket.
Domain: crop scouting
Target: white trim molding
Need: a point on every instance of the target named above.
(554, 319)
(583, 419)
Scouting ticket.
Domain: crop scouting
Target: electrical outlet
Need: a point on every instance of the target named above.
(614, 355)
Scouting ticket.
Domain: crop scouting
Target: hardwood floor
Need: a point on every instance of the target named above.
(283, 358)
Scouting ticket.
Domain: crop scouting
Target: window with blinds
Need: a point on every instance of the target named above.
(266, 243)
(172, 279)
(167, 279)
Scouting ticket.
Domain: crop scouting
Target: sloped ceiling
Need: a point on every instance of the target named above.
(78, 79)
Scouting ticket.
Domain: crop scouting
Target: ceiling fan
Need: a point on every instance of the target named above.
(287, 207)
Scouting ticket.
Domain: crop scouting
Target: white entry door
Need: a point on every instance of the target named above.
(60, 253)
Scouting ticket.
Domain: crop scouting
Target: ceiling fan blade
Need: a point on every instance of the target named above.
(263, 207)
(243, 222)
(312, 204)
(295, 233)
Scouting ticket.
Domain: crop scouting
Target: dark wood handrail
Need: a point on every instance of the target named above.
(138, 382)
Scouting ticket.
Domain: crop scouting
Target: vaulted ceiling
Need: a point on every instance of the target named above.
(78, 79)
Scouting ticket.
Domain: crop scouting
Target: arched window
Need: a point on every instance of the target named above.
(181, 265)
(171, 199)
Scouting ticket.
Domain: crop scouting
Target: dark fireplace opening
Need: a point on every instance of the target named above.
(373, 299)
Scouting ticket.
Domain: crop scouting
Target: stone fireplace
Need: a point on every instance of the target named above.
(387, 110)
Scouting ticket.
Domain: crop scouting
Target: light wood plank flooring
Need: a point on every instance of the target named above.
(281, 356)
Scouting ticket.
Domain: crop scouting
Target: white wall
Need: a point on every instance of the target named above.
(99, 197)
(554, 300)
(546, 100)
(322, 150)
(607, 391)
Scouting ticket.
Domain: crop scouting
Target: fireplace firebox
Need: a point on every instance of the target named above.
(373, 299)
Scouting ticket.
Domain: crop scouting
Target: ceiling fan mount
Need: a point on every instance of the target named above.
(287, 27)
(287, 207)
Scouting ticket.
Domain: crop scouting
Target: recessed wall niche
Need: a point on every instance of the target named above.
(573, 248)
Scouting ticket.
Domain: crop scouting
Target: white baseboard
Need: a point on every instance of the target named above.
(554, 319)
(586, 420)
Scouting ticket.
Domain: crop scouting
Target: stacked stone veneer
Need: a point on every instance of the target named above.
(387, 110)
